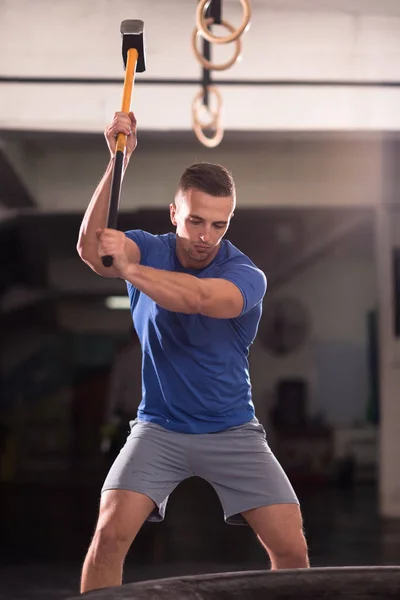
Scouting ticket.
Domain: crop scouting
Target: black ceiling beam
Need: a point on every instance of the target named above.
(189, 81)
(13, 192)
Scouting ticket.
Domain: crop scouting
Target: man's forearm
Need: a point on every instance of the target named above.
(177, 292)
(96, 214)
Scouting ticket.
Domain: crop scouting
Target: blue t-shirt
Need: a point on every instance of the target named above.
(195, 372)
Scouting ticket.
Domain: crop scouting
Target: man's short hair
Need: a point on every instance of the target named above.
(209, 178)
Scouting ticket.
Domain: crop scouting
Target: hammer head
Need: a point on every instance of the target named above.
(132, 31)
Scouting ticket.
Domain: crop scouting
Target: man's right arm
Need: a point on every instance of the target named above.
(96, 214)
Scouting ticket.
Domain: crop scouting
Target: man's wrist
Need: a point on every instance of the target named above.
(127, 158)
(129, 271)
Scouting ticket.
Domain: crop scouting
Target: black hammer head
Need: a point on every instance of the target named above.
(132, 31)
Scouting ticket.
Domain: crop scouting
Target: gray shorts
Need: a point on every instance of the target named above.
(237, 462)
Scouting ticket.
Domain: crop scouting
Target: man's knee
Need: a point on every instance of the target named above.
(109, 542)
(299, 551)
(294, 552)
(122, 514)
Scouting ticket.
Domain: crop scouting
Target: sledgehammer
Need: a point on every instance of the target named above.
(133, 53)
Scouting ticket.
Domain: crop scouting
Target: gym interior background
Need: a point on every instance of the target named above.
(310, 129)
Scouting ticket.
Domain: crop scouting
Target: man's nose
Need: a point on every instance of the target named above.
(205, 235)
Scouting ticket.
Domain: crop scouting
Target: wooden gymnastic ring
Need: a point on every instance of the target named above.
(201, 23)
(215, 124)
(215, 115)
(208, 64)
(209, 142)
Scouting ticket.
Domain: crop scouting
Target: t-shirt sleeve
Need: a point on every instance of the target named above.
(143, 240)
(250, 280)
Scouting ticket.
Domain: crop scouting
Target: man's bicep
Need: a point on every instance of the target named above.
(251, 282)
(221, 299)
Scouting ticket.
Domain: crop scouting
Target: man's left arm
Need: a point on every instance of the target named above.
(222, 298)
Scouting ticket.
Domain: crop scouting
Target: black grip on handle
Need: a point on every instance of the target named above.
(114, 200)
(107, 261)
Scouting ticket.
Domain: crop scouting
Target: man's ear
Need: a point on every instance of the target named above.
(172, 213)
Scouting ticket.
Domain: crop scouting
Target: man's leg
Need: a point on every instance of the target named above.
(150, 465)
(252, 485)
(279, 528)
(122, 514)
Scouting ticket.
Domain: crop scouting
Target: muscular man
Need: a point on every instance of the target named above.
(196, 304)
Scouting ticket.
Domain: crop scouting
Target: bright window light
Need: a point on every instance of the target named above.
(118, 302)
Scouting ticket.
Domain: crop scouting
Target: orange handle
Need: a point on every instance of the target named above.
(130, 72)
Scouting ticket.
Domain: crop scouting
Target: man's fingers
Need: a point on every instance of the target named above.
(130, 115)
(111, 241)
(123, 118)
(124, 123)
(102, 252)
(108, 232)
(120, 128)
(106, 249)
(121, 115)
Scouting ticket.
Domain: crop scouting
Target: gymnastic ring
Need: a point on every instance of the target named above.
(201, 23)
(208, 64)
(206, 141)
(214, 124)
(215, 115)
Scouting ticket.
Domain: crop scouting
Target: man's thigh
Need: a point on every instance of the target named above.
(243, 470)
(152, 462)
(279, 528)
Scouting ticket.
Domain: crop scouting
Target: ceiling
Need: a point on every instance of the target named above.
(377, 7)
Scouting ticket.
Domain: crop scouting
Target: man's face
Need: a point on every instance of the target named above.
(201, 221)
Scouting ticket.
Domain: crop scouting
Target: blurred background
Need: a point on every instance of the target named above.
(309, 126)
